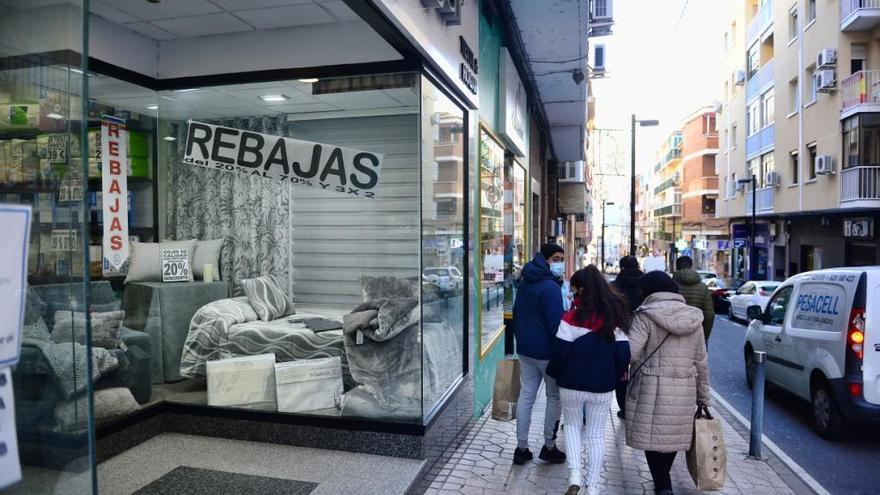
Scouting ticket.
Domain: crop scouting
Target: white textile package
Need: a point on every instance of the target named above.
(247, 381)
(309, 385)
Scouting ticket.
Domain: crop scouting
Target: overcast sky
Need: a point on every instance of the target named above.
(663, 62)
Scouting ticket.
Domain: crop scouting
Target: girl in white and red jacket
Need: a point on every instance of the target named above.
(591, 353)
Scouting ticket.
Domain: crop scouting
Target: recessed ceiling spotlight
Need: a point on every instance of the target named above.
(169, 138)
(56, 116)
(274, 98)
(152, 107)
(309, 80)
(187, 90)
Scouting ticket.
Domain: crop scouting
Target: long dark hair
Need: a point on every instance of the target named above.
(599, 299)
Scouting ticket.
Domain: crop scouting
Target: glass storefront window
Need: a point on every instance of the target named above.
(491, 240)
(515, 214)
(443, 242)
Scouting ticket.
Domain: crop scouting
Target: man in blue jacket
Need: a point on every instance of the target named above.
(536, 315)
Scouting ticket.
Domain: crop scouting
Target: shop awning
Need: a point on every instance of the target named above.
(554, 36)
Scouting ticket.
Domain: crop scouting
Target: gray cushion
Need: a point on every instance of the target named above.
(207, 252)
(268, 299)
(110, 403)
(146, 259)
(71, 326)
(385, 287)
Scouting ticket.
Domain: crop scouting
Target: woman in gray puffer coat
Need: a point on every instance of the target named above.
(670, 376)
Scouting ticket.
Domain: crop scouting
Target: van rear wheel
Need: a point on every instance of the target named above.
(827, 418)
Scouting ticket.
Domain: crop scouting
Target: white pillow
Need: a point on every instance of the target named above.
(207, 252)
(146, 259)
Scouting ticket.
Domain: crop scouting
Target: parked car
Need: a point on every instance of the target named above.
(721, 290)
(446, 278)
(756, 292)
(821, 333)
(706, 275)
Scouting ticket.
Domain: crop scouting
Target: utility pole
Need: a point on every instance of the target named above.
(632, 179)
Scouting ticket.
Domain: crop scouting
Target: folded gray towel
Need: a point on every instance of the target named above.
(318, 325)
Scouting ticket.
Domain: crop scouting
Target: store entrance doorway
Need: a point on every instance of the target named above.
(860, 254)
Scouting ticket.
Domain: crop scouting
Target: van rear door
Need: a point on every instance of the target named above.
(871, 346)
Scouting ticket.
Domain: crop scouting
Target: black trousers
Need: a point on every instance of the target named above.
(660, 464)
(620, 394)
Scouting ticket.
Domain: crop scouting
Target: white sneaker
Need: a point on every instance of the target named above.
(593, 490)
(575, 479)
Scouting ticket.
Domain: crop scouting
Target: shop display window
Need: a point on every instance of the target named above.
(515, 242)
(490, 297)
(375, 287)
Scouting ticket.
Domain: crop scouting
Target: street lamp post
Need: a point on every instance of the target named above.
(754, 182)
(632, 180)
(602, 262)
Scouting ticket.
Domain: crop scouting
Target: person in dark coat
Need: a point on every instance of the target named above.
(537, 312)
(627, 283)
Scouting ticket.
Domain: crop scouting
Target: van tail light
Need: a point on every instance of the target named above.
(855, 389)
(856, 340)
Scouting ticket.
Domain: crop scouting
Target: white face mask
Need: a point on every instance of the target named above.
(558, 268)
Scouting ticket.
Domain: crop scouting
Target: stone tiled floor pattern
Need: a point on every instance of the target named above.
(482, 465)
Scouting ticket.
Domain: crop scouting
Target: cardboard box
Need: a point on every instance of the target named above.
(309, 385)
(247, 381)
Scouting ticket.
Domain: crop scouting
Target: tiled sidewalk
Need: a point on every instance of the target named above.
(482, 465)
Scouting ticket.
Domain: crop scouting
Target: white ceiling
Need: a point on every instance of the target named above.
(553, 31)
(179, 19)
(243, 100)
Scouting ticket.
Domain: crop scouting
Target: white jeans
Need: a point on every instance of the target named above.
(596, 410)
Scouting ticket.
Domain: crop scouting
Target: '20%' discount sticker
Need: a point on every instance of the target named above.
(175, 265)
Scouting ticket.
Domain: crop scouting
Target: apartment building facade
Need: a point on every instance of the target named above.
(703, 236)
(665, 190)
(799, 150)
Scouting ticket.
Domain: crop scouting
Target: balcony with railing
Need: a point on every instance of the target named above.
(761, 141)
(759, 24)
(670, 210)
(860, 92)
(666, 184)
(765, 200)
(761, 81)
(859, 15)
(860, 187)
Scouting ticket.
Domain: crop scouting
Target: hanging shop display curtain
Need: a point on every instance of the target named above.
(249, 212)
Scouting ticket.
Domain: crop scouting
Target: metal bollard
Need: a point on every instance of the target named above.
(757, 425)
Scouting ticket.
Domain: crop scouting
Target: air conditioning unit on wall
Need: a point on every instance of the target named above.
(824, 165)
(739, 77)
(825, 80)
(771, 179)
(827, 58)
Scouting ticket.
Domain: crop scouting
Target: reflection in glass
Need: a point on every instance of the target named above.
(514, 229)
(491, 240)
(443, 247)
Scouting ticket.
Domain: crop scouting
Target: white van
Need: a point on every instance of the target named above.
(821, 333)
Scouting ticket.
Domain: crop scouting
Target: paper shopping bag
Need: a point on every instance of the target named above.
(707, 457)
(506, 391)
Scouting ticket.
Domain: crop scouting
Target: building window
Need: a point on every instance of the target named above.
(811, 162)
(858, 56)
(795, 170)
(811, 10)
(794, 97)
(733, 135)
(814, 85)
(732, 192)
(767, 108)
(708, 206)
(753, 117)
(753, 62)
(793, 23)
(754, 167)
(851, 142)
(767, 165)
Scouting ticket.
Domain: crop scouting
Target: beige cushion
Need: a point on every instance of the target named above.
(146, 259)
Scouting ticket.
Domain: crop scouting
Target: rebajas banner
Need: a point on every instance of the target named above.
(114, 186)
(315, 165)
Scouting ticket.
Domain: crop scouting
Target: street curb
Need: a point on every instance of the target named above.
(789, 463)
